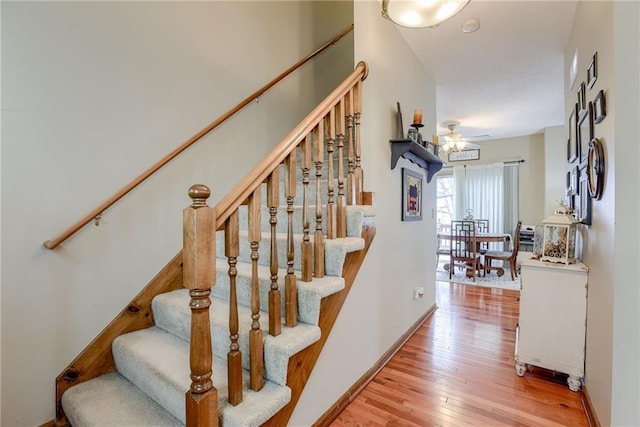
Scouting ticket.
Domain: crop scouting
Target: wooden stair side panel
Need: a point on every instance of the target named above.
(97, 359)
(301, 364)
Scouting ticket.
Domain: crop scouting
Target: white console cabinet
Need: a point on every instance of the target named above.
(552, 323)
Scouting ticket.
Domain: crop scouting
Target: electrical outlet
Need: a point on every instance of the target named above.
(418, 293)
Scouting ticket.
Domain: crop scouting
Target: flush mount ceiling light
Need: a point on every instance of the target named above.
(421, 13)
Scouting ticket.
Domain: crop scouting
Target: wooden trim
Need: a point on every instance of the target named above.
(334, 411)
(301, 364)
(56, 241)
(96, 359)
(589, 410)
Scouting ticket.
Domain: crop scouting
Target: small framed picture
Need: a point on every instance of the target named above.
(599, 107)
(572, 142)
(582, 100)
(592, 71)
(573, 181)
(399, 125)
(464, 155)
(584, 213)
(585, 133)
(411, 195)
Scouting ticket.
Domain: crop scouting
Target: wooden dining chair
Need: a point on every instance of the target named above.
(443, 244)
(510, 256)
(482, 226)
(464, 249)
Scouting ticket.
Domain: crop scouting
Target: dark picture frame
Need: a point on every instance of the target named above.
(399, 125)
(411, 195)
(595, 169)
(573, 180)
(592, 71)
(599, 107)
(585, 133)
(582, 101)
(584, 212)
(572, 142)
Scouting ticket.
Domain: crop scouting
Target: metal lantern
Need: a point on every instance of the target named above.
(559, 241)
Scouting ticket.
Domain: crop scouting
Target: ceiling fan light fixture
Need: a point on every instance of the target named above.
(421, 13)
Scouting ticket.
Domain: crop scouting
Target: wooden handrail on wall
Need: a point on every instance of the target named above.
(97, 212)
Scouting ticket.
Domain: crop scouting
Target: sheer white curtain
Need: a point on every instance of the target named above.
(481, 188)
(511, 196)
(491, 192)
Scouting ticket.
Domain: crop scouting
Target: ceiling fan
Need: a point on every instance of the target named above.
(455, 141)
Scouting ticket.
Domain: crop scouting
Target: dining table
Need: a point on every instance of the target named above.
(480, 238)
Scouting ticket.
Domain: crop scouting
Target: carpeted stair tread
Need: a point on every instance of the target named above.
(157, 362)
(335, 250)
(172, 313)
(111, 400)
(355, 217)
(309, 293)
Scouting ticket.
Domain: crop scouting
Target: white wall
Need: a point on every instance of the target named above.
(555, 163)
(625, 393)
(610, 244)
(380, 307)
(93, 94)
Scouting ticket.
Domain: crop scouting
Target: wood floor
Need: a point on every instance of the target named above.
(458, 369)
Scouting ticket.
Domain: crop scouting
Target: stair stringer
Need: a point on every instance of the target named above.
(302, 363)
(97, 359)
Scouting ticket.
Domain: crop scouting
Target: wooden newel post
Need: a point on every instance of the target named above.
(199, 275)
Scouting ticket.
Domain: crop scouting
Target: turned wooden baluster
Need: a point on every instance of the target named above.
(256, 361)
(341, 217)
(234, 357)
(331, 206)
(318, 237)
(305, 252)
(199, 274)
(358, 173)
(275, 299)
(351, 182)
(290, 285)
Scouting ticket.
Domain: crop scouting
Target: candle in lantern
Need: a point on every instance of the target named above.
(417, 117)
(436, 140)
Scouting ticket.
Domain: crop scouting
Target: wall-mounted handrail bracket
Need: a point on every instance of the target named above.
(415, 153)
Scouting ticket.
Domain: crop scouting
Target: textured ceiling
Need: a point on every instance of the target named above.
(507, 78)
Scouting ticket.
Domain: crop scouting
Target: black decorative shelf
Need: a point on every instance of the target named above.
(417, 154)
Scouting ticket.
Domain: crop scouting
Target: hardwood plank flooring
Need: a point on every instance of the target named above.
(459, 369)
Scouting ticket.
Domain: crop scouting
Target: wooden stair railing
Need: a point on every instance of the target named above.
(316, 133)
(309, 140)
(96, 213)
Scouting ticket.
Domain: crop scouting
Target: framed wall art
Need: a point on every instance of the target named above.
(399, 124)
(595, 169)
(599, 107)
(573, 181)
(464, 155)
(584, 211)
(585, 132)
(582, 101)
(592, 71)
(411, 195)
(572, 142)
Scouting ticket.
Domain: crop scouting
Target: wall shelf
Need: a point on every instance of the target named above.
(415, 153)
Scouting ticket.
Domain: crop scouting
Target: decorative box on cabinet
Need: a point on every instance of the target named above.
(552, 324)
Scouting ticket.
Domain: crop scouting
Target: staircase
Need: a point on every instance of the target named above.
(271, 244)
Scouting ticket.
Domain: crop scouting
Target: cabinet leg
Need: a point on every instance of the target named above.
(521, 368)
(575, 383)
